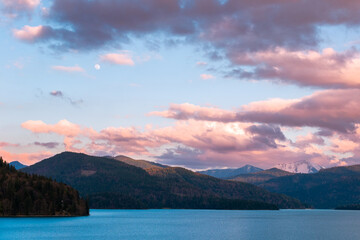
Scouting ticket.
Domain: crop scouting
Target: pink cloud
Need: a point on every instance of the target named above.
(29, 33)
(218, 137)
(63, 127)
(307, 68)
(309, 139)
(68, 69)
(18, 6)
(5, 144)
(332, 109)
(341, 145)
(25, 158)
(213, 159)
(189, 111)
(211, 137)
(204, 143)
(118, 58)
(205, 136)
(128, 140)
(206, 76)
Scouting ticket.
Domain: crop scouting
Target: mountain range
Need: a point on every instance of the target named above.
(329, 188)
(337, 187)
(229, 173)
(237, 173)
(122, 182)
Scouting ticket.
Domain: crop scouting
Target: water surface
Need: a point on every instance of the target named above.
(189, 224)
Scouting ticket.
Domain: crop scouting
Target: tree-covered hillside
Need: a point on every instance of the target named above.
(110, 183)
(329, 188)
(22, 194)
(262, 176)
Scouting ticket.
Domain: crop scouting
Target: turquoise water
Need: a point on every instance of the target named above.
(189, 224)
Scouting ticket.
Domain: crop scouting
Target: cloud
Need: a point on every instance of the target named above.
(118, 58)
(306, 68)
(181, 156)
(25, 158)
(204, 144)
(212, 136)
(60, 94)
(270, 36)
(306, 141)
(200, 136)
(265, 159)
(57, 94)
(6, 144)
(231, 25)
(189, 111)
(49, 145)
(206, 76)
(336, 110)
(267, 134)
(31, 34)
(63, 127)
(201, 63)
(68, 69)
(16, 7)
(20, 4)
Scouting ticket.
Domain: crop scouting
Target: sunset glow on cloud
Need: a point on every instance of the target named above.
(119, 59)
(325, 69)
(29, 33)
(68, 69)
(283, 81)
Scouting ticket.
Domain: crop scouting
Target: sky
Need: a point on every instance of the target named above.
(194, 83)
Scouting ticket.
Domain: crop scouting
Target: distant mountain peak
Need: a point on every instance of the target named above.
(229, 173)
(302, 166)
(18, 165)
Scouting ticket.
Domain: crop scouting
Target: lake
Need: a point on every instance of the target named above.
(189, 224)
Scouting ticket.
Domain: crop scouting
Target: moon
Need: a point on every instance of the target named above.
(97, 67)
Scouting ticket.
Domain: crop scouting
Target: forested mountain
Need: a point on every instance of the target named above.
(231, 172)
(111, 183)
(262, 176)
(22, 194)
(329, 188)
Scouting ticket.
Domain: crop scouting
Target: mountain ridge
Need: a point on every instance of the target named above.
(106, 181)
(229, 173)
(329, 188)
(262, 176)
(139, 163)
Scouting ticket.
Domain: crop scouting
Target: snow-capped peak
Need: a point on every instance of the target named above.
(299, 167)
